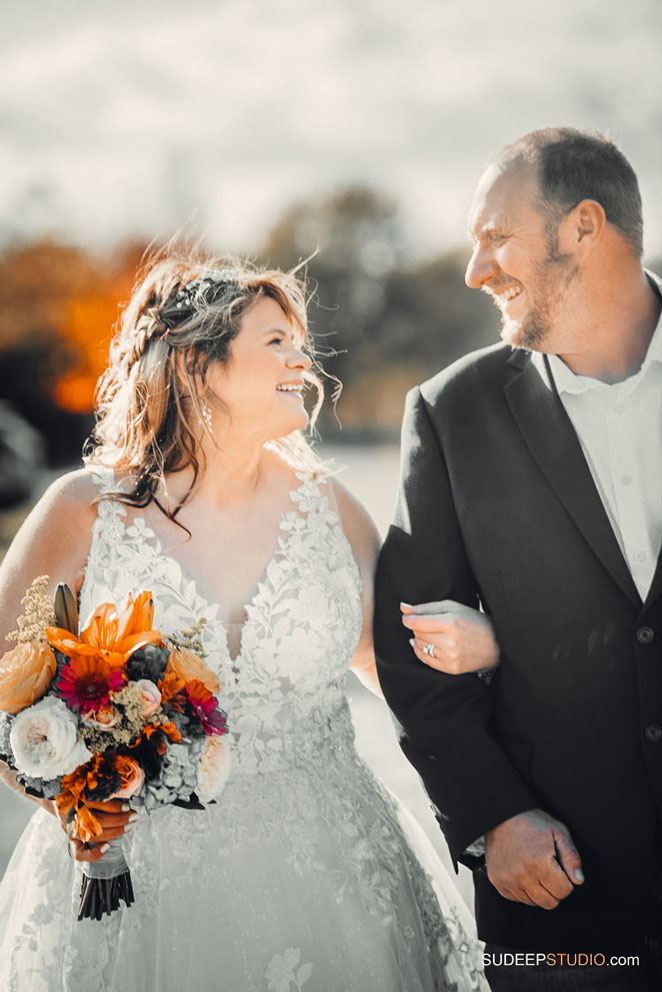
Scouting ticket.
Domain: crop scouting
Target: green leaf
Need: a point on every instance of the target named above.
(66, 611)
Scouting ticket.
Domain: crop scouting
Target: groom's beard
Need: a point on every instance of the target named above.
(550, 281)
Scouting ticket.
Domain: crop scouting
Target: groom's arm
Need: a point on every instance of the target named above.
(444, 719)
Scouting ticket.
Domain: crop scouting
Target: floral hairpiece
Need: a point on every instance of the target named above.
(205, 289)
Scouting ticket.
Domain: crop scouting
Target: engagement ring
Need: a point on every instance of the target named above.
(429, 650)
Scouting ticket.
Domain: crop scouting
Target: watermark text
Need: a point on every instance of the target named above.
(558, 959)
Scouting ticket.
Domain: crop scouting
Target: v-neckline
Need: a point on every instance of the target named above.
(258, 587)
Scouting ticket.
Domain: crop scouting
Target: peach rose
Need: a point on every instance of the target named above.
(150, 698)
(25, 674)
(105, 718)
(214, 769)
(132, 777)
(186, 665)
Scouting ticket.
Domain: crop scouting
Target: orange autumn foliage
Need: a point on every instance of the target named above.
(70, 300)
(88, 326)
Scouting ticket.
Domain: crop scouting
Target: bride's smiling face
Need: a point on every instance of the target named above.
(261, 386)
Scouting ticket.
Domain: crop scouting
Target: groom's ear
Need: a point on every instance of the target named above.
(582, 229)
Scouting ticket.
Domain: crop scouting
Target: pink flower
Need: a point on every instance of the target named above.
(150, 698)
(205, 707)
(105, 718)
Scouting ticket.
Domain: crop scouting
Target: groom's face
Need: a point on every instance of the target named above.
(516, 259)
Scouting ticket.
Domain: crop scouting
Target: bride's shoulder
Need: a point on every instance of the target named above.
(70, 496)
(53, 540)
(65, 514)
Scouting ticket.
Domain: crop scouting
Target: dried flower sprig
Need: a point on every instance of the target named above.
(38, 613)
(190, 638)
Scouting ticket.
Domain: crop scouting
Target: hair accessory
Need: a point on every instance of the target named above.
(205, 410)
(203, 290)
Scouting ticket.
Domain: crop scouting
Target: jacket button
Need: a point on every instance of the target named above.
(645, 635)
(653, 732)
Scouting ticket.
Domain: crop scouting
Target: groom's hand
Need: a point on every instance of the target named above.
(531, 859)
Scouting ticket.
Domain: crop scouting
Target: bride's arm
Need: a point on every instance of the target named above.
(54, 540)
(365, 543)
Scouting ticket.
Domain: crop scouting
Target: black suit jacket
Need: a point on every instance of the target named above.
(498, 506)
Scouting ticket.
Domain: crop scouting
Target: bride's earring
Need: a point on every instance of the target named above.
(205, 410)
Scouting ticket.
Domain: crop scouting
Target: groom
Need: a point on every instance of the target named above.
(532, 484)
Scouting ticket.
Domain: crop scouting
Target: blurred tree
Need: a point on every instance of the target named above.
(87, 328)
(391, 324)
(360, 242)
(58, 305)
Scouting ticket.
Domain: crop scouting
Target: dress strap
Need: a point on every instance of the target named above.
(109, 525)
(104, 478)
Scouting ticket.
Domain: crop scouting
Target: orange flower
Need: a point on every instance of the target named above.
(25, 674)
(170, 686)
(113, 636)
(84, 777)
(73, 786)
(86, 683)
(185, 665)
(86, 825)
(131, 774)
(168, 728)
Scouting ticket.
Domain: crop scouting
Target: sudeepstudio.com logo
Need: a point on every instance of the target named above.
(557, 959)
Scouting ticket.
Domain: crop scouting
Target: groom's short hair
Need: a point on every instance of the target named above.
(574, 165)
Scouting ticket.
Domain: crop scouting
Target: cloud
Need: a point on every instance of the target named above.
(131, 120)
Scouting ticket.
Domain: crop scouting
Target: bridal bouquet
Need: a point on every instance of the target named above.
(115, 712)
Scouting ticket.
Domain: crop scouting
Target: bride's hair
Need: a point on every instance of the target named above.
(185, 310)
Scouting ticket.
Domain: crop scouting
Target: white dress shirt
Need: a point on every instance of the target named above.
(619, 427)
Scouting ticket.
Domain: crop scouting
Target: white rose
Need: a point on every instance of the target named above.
(214, 769)
(44, 740)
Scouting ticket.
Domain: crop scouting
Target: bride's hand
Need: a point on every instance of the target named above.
(462, 639)
(114, 817)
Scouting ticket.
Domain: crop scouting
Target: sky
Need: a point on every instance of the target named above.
(135, 118)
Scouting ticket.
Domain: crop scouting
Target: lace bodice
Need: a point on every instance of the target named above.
(284, 692)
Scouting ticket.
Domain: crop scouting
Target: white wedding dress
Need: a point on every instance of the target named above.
(300, 877)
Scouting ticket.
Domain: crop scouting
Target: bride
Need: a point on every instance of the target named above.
(199, 486)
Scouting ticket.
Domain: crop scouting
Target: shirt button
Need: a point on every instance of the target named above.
(640, 556)
(645, 635)
(617, 408)
(626, 480)
(653, 732)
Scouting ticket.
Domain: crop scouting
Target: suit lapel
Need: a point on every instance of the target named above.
(551, 439)
(656, 585)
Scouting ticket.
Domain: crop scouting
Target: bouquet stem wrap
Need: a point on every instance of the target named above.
(105, 884)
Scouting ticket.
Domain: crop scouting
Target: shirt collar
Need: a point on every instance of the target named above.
(566, 380)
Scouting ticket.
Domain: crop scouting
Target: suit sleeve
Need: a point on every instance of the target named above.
(443, 719)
